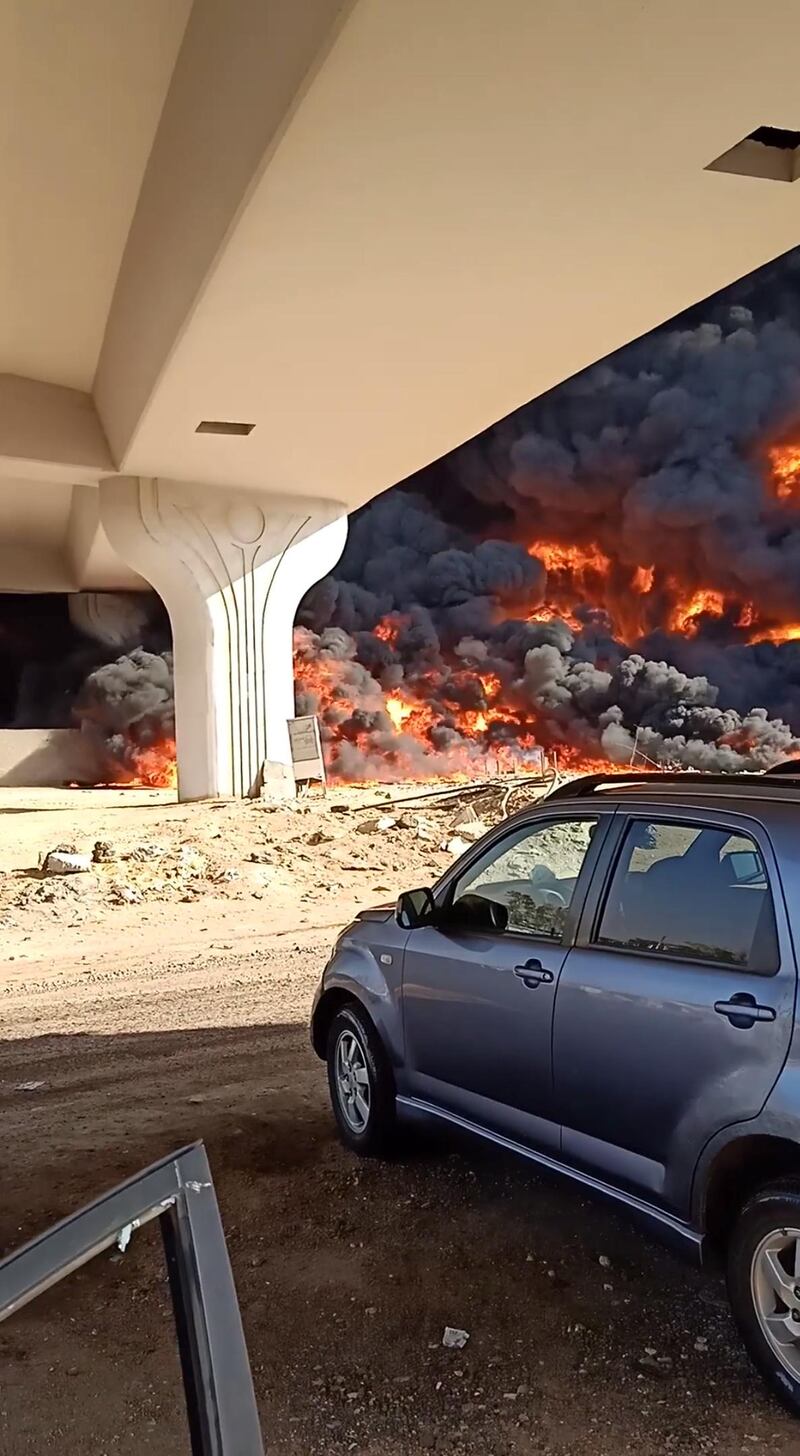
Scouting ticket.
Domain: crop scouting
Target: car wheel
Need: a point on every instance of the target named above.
(764, 1286)
(361, 1083)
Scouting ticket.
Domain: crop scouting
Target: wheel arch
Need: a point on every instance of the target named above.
(743, 1165)
(329, 1003)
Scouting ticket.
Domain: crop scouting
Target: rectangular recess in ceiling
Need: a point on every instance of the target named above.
(772, 152)
(224, 427)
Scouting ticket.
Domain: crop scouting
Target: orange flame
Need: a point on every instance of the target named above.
(788, 632)
(643, 579)
(784, 463)
(686, 611)
(574, 559)
(398, 710)
(155, 767)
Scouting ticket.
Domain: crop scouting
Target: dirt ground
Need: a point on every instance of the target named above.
(132, 1023)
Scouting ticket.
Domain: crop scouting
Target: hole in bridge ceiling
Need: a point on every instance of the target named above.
(769, 151)
(224, 427)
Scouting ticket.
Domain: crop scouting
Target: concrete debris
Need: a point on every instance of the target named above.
(381, 825)
(455, 846)
(126, 895)
(470, 830)
(143, 852)
(103, 852)
(454, 1339)
(66, 862)
(466, 815)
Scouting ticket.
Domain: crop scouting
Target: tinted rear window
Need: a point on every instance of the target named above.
(695, 893)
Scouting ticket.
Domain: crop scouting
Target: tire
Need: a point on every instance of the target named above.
(761, 1243)
(358, 1062)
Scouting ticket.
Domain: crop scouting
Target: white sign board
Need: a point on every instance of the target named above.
(306, 744)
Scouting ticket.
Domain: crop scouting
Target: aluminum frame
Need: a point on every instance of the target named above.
(179, 1192)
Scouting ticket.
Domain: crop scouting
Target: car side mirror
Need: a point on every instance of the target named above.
(415, 908)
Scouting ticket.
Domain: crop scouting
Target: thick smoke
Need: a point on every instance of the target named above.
(128, 704)
(101, 663)
(658, 457)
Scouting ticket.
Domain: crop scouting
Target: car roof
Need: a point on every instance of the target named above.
(761, 796)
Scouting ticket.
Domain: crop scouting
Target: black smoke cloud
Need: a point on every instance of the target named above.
(657, 455)
(110, 677)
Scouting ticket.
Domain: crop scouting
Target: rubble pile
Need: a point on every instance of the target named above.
(248, 850)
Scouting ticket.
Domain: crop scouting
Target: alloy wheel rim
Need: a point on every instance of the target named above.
(352, 1081)
(775, 1287)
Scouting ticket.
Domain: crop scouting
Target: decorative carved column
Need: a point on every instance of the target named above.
(231, 567)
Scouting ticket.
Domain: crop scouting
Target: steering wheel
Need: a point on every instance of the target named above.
(553, 898)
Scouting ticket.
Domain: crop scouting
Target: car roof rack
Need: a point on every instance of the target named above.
(584, 787)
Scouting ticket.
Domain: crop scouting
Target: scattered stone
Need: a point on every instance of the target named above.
(469, 829)
(260, 856)
(103, 852)
(319, 837)
(456, 845)
(224, 876)
(142, 852)
(454, 1339)
(66, 862)
(29, 1086)
(340, 808)
(126, 895)
(604, 1261)
(381, 825)
(658, 1365)
(701, 1343)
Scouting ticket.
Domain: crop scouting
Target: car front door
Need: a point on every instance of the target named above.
(674, 1009)
(478, 1002)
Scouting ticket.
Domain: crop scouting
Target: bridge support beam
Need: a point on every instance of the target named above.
(231, 568)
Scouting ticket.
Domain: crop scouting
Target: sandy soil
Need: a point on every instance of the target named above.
(183, 1014)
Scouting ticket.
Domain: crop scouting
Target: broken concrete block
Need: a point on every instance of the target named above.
(470, 829)
(381, 825)
(65, 862)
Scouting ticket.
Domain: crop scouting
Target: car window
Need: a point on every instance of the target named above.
(701, 893)
(533, 873)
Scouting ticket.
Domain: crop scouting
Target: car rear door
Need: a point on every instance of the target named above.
(675, 1007)
(478, 1003)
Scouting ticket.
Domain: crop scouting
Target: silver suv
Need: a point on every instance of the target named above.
(606, 984)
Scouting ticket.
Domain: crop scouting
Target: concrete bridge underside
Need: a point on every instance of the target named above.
(341, 238)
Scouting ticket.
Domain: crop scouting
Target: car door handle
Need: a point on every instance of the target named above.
(533, 973)
(743, 1010)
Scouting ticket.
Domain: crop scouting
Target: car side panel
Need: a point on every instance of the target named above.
(780, 1118)
(367, 964)
(652, 1011)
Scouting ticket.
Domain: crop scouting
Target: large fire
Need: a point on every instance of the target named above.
(453, 716)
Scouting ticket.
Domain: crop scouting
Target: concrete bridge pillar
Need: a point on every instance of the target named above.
(231, 567)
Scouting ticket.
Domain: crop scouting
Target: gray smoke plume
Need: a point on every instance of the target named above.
(128, 704)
